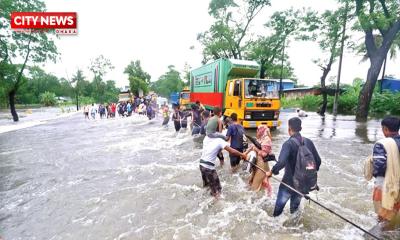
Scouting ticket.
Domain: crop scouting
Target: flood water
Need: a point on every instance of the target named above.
(133, 179)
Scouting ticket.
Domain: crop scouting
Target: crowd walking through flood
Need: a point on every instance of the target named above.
(252, 156)
(211, 173)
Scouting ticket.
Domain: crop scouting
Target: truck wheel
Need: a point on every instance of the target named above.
(273, 128)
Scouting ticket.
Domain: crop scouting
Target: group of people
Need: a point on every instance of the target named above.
(107, 110)
(142, 105)
(233, 143)
(383, 165)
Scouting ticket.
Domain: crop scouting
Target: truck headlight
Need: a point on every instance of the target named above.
(247, 117)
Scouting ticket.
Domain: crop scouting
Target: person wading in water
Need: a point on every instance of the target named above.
(176, 117)
(214, 129)
(235, 136)
(196, 119)
(211, 148)
(287, 160)
(386, 170)
(258, 179)
(165, 111)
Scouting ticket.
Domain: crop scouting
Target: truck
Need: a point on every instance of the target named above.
(233, 86)
(181, 98)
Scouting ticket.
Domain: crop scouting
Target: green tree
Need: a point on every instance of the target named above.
(269, 51)
(138, 78)
(111, 92)
(329, 34)
(383, 18)
(17, 49)
(40, 82)
(78, 80)
(48, 99)
(168, 83)
(392, 53)
(99, 67)
(227, 35)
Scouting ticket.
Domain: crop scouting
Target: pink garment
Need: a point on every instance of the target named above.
(263, 136)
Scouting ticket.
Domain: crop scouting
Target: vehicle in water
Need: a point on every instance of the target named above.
(232, 85)
(181, 98)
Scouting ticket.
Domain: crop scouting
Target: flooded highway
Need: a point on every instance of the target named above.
(131, 178)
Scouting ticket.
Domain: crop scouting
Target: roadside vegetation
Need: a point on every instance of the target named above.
(381, 103)
(230, 35)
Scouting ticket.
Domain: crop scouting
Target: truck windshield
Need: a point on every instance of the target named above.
(260, 88)
(185, 95)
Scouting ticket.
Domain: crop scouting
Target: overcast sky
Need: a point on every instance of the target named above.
(160, 33)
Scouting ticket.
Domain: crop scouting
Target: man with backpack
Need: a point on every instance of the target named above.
(301, 161)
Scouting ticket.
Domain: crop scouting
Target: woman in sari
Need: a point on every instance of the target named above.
(258, 179)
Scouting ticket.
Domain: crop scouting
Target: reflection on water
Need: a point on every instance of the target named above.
(132, 179)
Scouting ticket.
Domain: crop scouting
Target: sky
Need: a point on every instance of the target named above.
(160, 33)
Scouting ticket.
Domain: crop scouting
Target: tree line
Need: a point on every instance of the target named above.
(24, 82)
(333, 31)
(229, 36)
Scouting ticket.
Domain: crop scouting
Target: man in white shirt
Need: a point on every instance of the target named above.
(211, 148)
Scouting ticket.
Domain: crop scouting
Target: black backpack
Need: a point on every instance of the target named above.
(305, 172)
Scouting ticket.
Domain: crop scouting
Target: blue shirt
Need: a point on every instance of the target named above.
(235, 132)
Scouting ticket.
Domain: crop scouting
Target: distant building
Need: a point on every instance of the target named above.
(286, 83)
(294, 93)
(389, 84)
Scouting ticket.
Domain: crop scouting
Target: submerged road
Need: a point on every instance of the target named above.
(133, 179)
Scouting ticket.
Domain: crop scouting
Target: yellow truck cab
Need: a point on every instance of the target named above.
(231, 85)
(184, 97)
(255, 101)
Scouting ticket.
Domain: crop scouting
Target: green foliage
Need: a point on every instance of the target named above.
(138, 78)
(269, 50)
(328, 36)
(274, 71)
(290, 103)
(380, 23)
(111, 92)
(100, 66)
(48, 99)
(227, 35)
(168, 83)
(385, 103)
(86, 100)
(136, 84)
(308, 102)
(311, 102)
(17, 49)
(40, 82)
(79, 81)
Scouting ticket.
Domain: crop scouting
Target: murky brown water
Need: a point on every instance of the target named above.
(132, 179)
